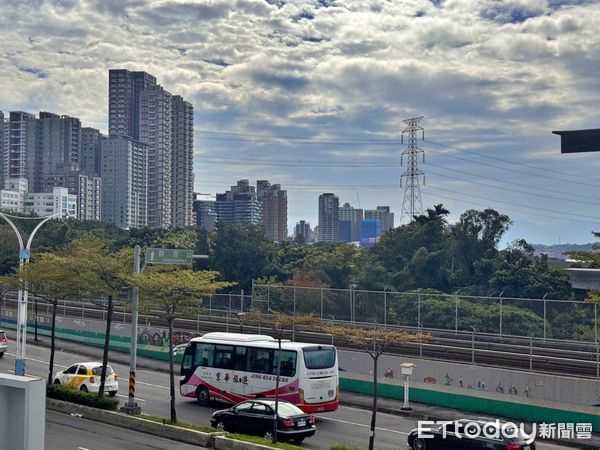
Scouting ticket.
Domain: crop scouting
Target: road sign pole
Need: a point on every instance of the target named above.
(132, 407)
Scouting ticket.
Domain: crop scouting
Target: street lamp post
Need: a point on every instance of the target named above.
(24, 253)
(385, 304)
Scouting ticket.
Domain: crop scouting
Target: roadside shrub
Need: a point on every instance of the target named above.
(59, 392)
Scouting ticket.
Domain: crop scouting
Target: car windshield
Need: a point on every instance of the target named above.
(287, 410)
(98, 370)
(2, 335)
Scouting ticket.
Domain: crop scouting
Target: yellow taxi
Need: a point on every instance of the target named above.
(86, 377)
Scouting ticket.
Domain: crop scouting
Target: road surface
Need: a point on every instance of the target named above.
(346, 425)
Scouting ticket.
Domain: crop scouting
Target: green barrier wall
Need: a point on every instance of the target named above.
(530, 413)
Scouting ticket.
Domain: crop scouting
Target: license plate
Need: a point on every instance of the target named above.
(330, 393)
(527, 447)
(302, 423)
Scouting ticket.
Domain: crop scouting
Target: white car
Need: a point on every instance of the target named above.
(3, 343)
(86, 377)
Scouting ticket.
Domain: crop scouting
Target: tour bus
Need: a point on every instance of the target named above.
(233, 367)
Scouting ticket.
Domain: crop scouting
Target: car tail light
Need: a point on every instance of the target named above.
(312, 420)
(514, 447)
(92, 380)
(287, 423)
(115, 377)
(3, 340)
(301, 394)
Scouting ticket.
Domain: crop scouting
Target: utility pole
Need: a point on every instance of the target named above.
(412, 204)
(132, 407)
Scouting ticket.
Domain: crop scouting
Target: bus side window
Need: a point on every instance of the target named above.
(288, 363)
(260, 360)
(224, 356)
(204, 355)
(240, 358)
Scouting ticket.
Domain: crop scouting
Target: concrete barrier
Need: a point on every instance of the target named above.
(139, 424)
(225, 443)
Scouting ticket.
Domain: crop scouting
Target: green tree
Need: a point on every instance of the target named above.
(241, 253)
(171, 293)
(475, 241)
(97, 271)
(46, 277)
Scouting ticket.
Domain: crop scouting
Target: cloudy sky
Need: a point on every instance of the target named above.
(312, 94)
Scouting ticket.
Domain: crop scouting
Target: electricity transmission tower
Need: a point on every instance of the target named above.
(412, 204)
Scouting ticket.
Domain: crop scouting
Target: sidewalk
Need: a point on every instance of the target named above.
(384, 405)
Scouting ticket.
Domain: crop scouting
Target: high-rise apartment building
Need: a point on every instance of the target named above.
(182, 164)
(329, 218)
(205, 213)
(355, 217)
(155, 131)
(87, 188)
(383, 214)
(302, 232)
(59, 143)
(21, 151)
(239, 205)
(12, 197)
(145, 111)
(273, 202)
(124, 171)
(2, 147)
(89, 154)
(124, 92)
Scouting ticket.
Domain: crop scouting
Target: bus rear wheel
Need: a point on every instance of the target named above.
(202, 396)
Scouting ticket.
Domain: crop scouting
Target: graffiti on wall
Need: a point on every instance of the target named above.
(158, 337)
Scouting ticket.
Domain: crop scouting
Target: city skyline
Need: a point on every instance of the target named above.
(306, 98)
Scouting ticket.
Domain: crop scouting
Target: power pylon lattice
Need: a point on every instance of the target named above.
(412, 204)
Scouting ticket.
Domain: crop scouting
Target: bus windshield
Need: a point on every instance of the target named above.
(319, 358)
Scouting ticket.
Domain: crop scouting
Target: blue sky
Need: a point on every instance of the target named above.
(312, 94)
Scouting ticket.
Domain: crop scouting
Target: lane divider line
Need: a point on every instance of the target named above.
(362, 425)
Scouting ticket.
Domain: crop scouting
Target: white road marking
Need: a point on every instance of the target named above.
(362, 425)
(82, 448)
(60, 365)
(125, 396)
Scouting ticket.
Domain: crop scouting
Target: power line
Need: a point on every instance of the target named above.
(515, 170)
(486, 205)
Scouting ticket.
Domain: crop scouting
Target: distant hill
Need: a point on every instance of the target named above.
(557, 251)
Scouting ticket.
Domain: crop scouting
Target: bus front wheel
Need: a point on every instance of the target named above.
(202, 396)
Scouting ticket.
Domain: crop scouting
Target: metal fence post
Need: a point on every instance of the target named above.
(210, 305)
(597, 361)
(242, 301)
(545, 301)
(268, 299)
(384, 308)
(596, 323)
(456, 316)
(322, 303)
(418, 310)
(531, 353)
(501, 313)
(294, 314)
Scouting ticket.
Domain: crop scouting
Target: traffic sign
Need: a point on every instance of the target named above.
(169, 256)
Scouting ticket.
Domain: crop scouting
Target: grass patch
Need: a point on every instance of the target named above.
(59, 392)
(344, 447)
(189, 426)
(262, 441)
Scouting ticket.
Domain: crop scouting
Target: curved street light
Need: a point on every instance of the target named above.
(24, 253)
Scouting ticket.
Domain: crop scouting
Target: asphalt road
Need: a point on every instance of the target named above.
(65, 432)
(346, 425)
